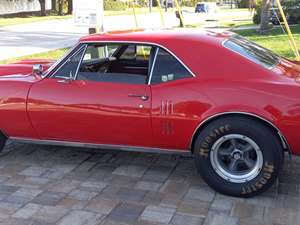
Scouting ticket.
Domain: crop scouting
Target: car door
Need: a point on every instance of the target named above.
(85, 100)
(177, 102)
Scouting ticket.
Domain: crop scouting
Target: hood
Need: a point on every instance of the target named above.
(23, 67)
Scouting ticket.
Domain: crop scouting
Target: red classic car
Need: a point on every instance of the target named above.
(231, 103)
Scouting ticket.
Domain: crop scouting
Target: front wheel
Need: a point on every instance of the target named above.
(3, 140)
(238, 156)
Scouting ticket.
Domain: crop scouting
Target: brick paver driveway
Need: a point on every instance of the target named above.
(48, 185)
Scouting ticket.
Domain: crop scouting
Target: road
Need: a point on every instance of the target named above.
(26, 39)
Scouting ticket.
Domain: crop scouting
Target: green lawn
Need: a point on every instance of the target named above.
(277, 41)
(29, 19)
(56, 54)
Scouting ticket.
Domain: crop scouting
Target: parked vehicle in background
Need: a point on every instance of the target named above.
(292, 14)
(206, 7)
(230, 103)
(170, 3)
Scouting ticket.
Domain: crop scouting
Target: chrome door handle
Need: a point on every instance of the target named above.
(142, 97)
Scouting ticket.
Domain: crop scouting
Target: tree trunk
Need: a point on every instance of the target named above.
(60, 7)
(43, 7)
(265, 16)
(53, 5)
(70, 6)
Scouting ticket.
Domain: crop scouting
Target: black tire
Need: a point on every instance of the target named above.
(2, 142)
(266, 140)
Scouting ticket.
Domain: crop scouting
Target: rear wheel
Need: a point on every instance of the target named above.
(238, 156)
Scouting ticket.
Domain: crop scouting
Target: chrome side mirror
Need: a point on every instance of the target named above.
(37, 69)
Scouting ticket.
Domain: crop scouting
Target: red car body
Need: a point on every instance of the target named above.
(42, 109)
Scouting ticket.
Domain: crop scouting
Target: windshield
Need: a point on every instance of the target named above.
(252, 51)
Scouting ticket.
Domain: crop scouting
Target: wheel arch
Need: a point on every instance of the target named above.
(275, 129)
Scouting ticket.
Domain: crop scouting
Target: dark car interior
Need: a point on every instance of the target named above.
(126, 63)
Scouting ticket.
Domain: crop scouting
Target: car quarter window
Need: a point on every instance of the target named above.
(69, 68)
(167, 68)
(116, 63)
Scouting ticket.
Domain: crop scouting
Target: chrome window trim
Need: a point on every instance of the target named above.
(285, 144)
(102, 146)
(66, 58)
(80, 61)
(146, 43)
(152, 66)
(59, 61)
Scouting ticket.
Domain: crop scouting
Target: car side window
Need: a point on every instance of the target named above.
(116, 63)
(168, 68)
(69, 68)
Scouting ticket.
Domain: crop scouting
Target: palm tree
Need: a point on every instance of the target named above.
(43, 7)
(265, 16)
(53, 4)
(70, 6)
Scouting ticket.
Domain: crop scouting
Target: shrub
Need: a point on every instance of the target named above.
(243, 4)
(257, 14)
(114, 5)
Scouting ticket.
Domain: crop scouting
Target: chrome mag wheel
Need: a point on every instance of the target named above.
(236, 158)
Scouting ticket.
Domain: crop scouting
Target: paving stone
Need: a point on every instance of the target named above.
(64, 186)
(6, 189)
(9, 208)
(27, 192)
(50, 214)
(126, 212)
(22, 196)
(130, 170)
(254, 221)
(33, 171)
(35, 182)
(71, 203)
(55, 173)
(158, 214)
(171, 200)
(281, 216)
(175, 187)
(93, 186)
(102, 205)
(244, 210)
(157, 174)
(131, 195)
(27, 211)
(148, 185)
(220, 218)
(179, 219)
(223, 205)
(111, 222)
(152, 198)
(17, 199)
(16, 221)
(42, 185)
(82, 195)
(48, 198)
(201, 193)
(122, 181)
(193, 208)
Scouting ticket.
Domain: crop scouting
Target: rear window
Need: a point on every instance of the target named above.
(252, 51)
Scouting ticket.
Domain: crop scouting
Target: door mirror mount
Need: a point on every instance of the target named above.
(37, 69)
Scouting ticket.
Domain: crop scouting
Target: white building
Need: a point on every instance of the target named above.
(17, 6)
